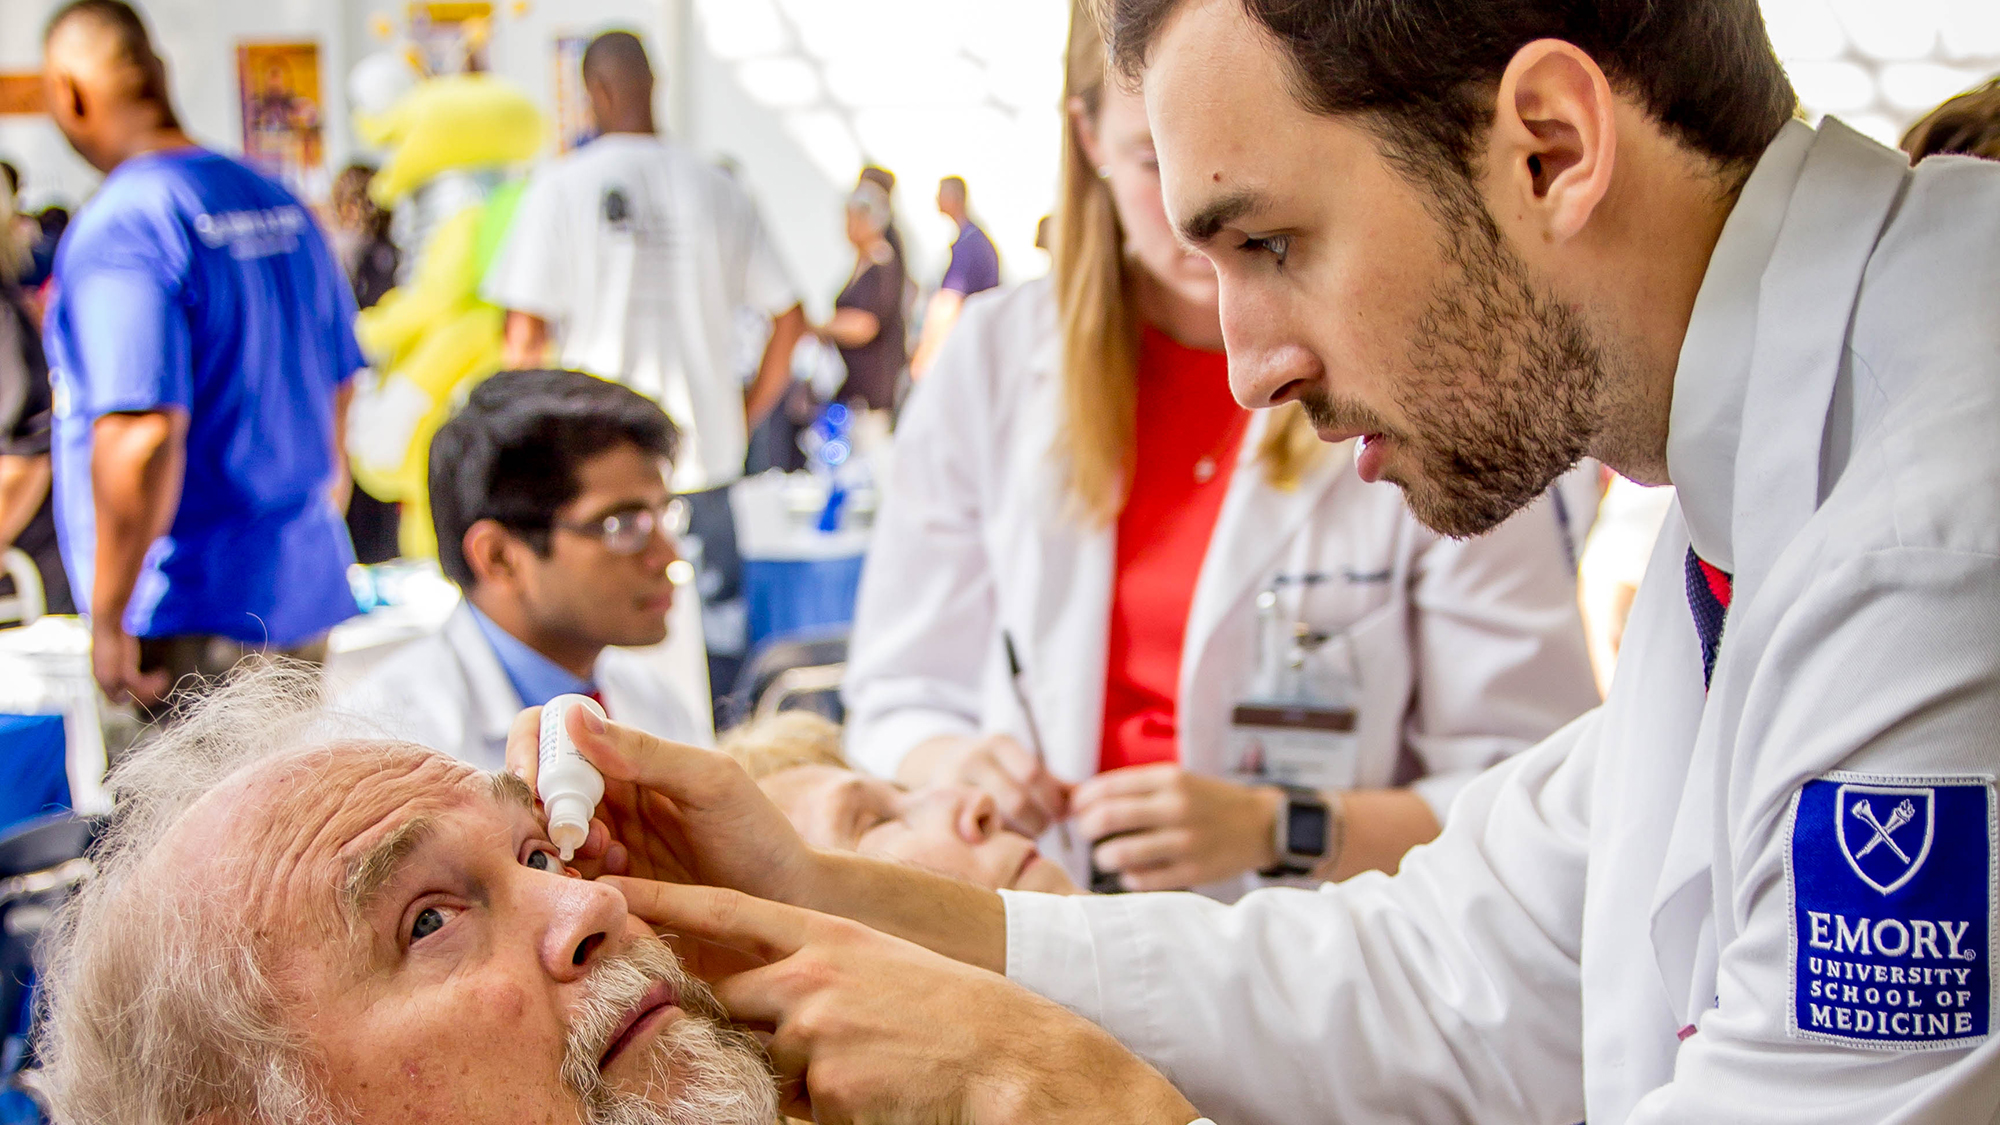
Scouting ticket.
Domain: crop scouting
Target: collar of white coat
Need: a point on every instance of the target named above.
(1766, 340)
(494, 700)
(1707, 412)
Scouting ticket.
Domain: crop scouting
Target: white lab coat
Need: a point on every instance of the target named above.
(1465, 652)
(448, 691)
(1833, 437)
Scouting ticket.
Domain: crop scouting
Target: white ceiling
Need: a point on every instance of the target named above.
(969, 87)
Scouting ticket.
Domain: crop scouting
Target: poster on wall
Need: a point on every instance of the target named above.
(282, 110)
(574, 125)
(452, 36)
(21, 93)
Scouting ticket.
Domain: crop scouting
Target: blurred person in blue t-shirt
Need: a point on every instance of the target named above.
(201, 347)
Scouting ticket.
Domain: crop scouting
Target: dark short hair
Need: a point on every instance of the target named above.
(616, 56)
(512, 453)
(1425, 71)
(1968, 125)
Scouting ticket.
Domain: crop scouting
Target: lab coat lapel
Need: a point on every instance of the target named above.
(494, 701)
(1805, 301)
(1257, 523)
(1847, 191)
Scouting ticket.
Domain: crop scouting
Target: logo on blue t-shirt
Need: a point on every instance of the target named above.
(1892, 886)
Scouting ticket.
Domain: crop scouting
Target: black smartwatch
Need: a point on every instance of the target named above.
(1304, 834)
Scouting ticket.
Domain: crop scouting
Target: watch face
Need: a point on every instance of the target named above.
(1305, 828)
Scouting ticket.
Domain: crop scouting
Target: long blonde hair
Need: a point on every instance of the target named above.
(1100, 332)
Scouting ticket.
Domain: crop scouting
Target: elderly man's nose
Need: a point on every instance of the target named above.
(582, 916)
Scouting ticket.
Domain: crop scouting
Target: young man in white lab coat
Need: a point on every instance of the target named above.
(1759, 883)
(549, 492)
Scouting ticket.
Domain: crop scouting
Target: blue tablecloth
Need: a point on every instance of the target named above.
(34, 769)
(786, 595)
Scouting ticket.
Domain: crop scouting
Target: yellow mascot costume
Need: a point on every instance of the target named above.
(453, 143)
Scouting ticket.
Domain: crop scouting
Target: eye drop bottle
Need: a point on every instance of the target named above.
(569, 786)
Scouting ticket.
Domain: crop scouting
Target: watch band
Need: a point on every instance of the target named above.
(1293, 860)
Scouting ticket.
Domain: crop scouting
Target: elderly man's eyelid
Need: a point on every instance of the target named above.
(373, 870)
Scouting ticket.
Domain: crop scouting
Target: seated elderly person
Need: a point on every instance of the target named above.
(549, 495)
(952, 830)
(295, 923)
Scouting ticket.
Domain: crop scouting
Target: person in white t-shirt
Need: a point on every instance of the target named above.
(631, 258)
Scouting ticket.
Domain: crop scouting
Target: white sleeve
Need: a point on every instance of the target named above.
(1500, 655)
(924, 622)
(1887, 669)
(767, 284)
(1448, 993)
(531, 271)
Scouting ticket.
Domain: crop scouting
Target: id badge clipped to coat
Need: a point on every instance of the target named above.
(1297, 725)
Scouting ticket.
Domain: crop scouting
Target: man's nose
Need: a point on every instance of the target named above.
(664, 549)
(1265, 369)
(581, 916)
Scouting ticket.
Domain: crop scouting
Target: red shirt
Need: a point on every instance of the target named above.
(1189, 431)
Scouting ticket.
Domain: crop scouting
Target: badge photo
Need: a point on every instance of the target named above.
(1892, 890)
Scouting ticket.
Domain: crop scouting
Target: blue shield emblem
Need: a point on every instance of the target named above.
(1884, 831)
(1893, 883)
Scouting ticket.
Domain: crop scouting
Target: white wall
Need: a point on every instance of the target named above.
(198, 39)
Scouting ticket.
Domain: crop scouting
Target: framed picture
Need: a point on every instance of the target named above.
(279, 86)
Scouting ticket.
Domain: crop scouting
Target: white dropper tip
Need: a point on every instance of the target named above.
(569, 824)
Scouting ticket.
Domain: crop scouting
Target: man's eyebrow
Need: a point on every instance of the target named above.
(370, 871)
(511, 790)
(1198, 228)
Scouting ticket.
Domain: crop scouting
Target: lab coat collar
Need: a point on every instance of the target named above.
(535, 677)
(1751, 471)
(1705, 418)
(494, 700)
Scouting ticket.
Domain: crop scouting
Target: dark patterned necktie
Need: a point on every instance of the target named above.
(1708, 599)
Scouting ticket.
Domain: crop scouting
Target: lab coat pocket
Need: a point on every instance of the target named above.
(1342, 597)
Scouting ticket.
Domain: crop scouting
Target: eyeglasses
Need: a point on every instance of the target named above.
(631, 531)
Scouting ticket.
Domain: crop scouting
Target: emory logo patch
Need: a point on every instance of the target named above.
(1892, 886)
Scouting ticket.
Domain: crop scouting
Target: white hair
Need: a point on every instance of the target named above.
(146, 1018)
(154, 1013)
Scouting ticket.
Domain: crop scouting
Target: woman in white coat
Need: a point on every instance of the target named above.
(1080, 484)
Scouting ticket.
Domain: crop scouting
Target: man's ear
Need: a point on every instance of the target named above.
(64, 91)
(1554, 141)
(489, 554)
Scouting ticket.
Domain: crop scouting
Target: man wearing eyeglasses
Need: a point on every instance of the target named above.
(550, 500)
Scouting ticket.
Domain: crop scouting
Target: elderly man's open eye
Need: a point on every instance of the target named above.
(427, 922)
(544, 858)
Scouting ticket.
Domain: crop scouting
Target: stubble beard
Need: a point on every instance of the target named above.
(1501, 387)
(699, 1069)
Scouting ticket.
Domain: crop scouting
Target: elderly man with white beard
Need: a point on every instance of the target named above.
(295, 924)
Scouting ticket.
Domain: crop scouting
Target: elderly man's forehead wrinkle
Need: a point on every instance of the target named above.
(323, 806)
